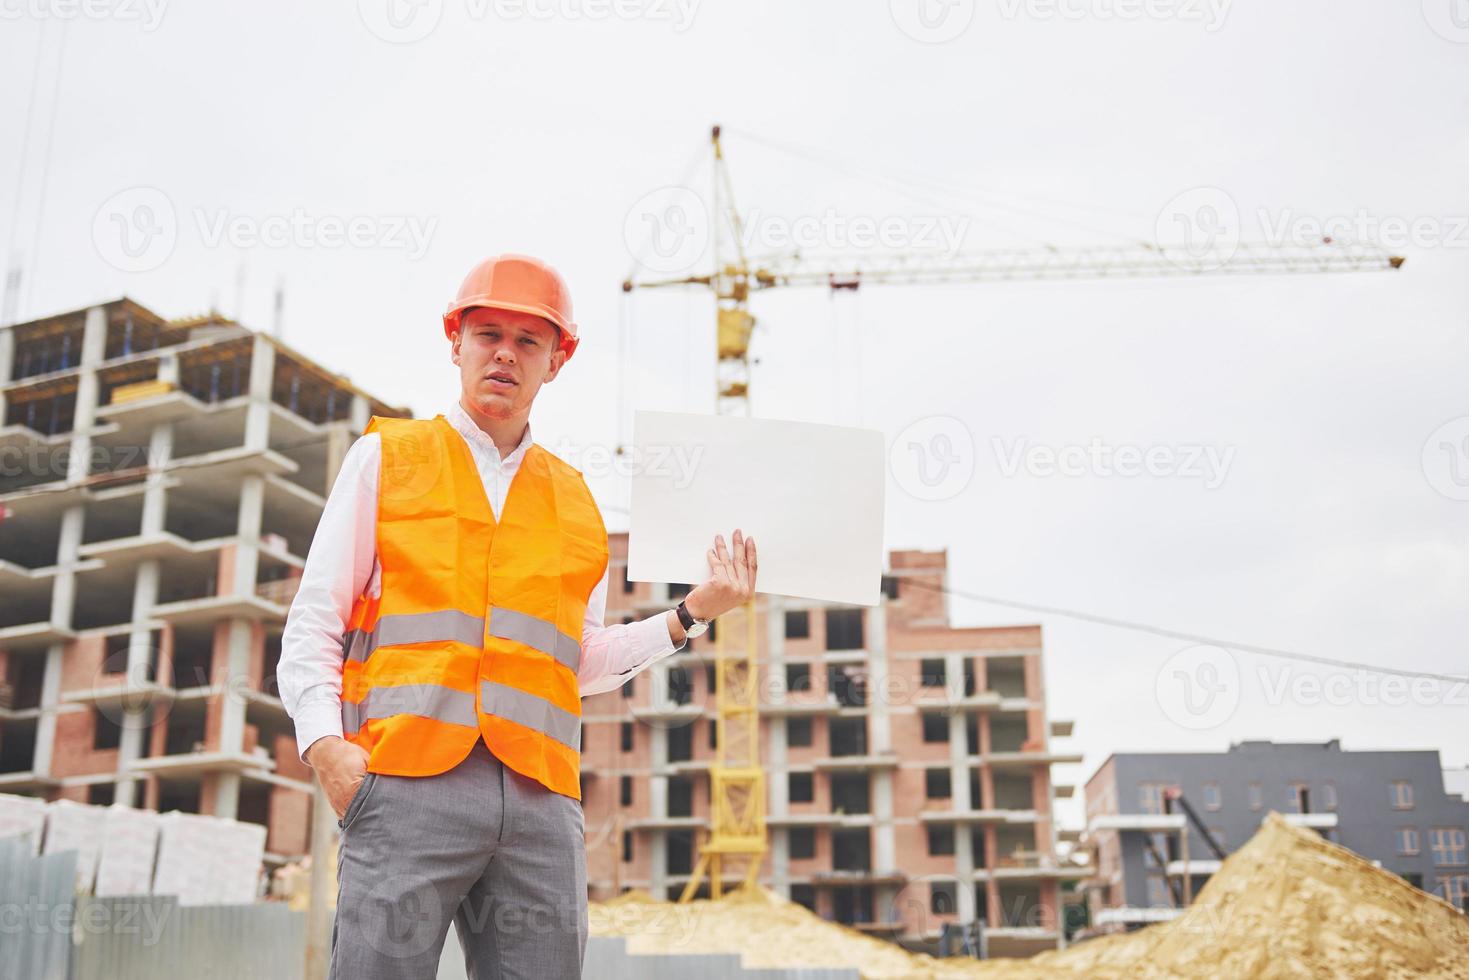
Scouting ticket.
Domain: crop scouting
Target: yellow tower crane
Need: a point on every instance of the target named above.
(736, 778)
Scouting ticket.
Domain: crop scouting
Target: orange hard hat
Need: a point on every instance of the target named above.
(519, 283)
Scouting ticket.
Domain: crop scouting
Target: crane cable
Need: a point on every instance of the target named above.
(907, 184)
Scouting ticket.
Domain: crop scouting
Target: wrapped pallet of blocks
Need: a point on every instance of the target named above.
(208, 860)
(23, 816)
(129, 843)
(72, 826)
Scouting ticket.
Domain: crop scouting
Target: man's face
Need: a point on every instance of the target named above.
(504, 357)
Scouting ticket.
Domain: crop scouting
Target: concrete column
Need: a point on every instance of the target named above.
(658, 807)
(879, 718)
(959, 764)
(7, 363)
(155, 498)
(880, 735)
(965, 906)
(94, 348)
(63, 586)
(50, 698)
(63, 604)
(780, 861)
(778, 770)
(247, 549)
(954, 676)
(885, 850)
(140, 650)
(360, 414)
(7, 354)
(226, 794)
(262, 373)
(232, 708)
(94, 338)
(140, 640)
(232, 716)
(168, 368)
(338, 441)
(777, 782)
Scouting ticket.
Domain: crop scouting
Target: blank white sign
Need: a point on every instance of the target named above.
(810, 495)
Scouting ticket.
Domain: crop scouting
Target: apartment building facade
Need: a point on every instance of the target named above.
(1388, 806)
(161, 482)
(908, 763)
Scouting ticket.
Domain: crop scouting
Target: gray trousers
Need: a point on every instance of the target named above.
(495, 851)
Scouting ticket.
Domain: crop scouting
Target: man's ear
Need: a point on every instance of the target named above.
(454, 345)
(558, 358)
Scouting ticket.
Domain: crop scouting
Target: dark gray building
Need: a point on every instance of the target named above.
(1388, 806)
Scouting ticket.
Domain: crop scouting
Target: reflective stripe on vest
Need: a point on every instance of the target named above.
(526, 709)
(457, 708)
(445, 625)
(451, 625)
(425, 700)
(537, 634)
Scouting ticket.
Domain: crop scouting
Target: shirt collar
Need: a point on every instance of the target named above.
(467, 428)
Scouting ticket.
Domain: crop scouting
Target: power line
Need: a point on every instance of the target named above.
(1173, 634)
(46, 165)
(1168, 633)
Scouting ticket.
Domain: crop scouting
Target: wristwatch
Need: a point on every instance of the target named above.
(692, 627)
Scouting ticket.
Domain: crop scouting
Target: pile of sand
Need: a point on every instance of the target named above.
(765, 929)
(1288, 904)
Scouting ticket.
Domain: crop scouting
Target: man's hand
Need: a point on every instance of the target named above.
(341, 766)
(731, 578)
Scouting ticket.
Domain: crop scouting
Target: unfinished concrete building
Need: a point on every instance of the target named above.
(908, 763)
(160, 483)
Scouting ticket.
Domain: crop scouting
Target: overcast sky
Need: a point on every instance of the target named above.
(1309, 434)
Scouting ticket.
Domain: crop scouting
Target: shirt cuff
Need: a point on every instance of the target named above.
(651, 639)
(315, 721)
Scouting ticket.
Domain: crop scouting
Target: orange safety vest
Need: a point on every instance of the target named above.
(477, 630)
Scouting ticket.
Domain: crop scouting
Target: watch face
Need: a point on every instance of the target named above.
(698, 629)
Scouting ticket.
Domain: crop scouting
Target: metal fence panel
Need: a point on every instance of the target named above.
(608, 959)
(36, 909)
(143, 938)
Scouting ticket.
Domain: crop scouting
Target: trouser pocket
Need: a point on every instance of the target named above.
(354, 805)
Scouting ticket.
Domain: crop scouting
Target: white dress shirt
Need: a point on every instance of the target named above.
(342, 564)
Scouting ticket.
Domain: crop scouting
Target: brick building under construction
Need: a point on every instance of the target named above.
(160, 482)
(908, 763)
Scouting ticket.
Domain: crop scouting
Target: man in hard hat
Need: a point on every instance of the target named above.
(448, 623)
